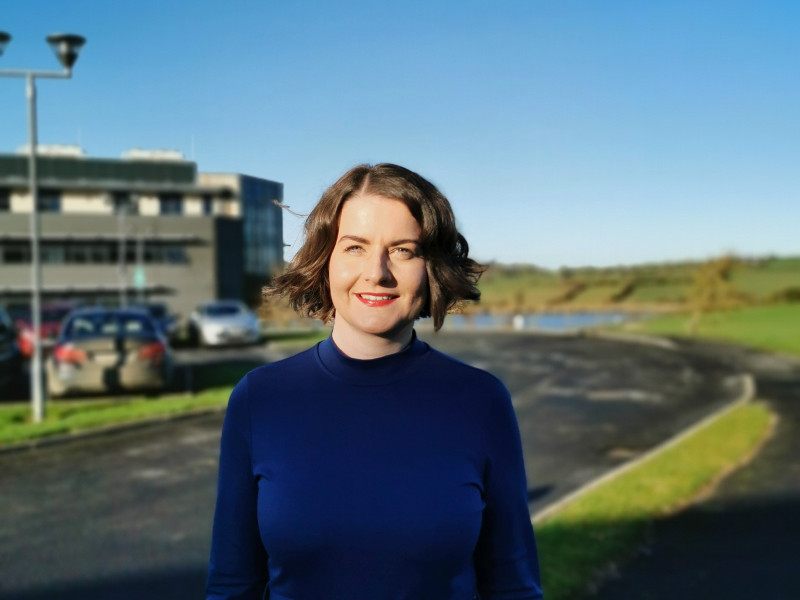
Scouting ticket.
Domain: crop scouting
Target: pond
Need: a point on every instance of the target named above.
(550, 322)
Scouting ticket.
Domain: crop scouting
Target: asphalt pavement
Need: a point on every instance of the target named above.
(743, 542)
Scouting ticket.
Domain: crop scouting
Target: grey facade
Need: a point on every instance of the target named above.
(114, 230)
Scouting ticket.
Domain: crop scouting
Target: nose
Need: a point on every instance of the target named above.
(378, 270)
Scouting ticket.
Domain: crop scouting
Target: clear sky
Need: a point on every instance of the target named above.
(564, 133)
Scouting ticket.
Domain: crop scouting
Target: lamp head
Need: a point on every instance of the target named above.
(66, 46)
(4, 39)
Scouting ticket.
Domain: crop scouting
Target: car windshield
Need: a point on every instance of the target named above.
(108, 325)
(222, 310)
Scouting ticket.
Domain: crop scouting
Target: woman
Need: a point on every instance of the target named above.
(372, 466)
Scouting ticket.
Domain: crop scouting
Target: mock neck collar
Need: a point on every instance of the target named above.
(372, 371)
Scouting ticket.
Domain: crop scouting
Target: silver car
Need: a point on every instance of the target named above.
(224, 322)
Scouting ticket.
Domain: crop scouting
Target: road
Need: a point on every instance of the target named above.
(129, 515)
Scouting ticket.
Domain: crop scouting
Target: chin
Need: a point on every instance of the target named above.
(386, 330)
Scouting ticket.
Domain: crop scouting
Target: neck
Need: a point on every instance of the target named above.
(366, 346)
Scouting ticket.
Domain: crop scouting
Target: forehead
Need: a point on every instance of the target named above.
(370, 213)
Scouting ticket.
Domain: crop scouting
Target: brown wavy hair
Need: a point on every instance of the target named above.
(452, 275)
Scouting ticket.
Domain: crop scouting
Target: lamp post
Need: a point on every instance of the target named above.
(66, 48)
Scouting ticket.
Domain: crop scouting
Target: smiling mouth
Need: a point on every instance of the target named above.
(376, 299)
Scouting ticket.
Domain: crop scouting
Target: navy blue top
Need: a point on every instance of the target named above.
(395, 478)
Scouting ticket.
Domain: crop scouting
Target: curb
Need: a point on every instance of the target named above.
(747, 395)
(60, 438)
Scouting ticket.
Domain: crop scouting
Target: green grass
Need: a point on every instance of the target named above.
(297, 339)
(77, 415)
(607, 523)
(508, 291)
(759, 284)
(773, 327)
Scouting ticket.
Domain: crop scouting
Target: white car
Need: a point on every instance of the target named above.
(224, 322)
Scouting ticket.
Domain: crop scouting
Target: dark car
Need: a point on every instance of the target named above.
(10, 364)
(52, 316)
(108, 350)
(163, 317)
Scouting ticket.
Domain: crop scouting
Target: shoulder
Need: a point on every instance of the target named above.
(281, 369)
(453, 367)
(268, 379)
(464, 376)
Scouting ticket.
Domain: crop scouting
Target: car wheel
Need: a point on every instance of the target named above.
(194, 336)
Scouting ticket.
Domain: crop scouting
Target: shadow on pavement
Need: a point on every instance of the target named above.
(186, 582)
(717, 551)
(538, 492)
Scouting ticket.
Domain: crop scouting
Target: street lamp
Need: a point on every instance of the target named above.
(66, 48)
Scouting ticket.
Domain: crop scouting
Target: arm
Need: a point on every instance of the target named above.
(238, 565)
(506, 562)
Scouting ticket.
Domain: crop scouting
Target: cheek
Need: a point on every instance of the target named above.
(422, 286)
(340, 276)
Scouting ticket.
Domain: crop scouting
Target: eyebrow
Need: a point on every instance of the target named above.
(361, 240)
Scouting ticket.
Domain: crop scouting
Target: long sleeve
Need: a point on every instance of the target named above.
(506, 561)
(238, 564)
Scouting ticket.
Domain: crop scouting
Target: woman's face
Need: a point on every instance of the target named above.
(377, 274)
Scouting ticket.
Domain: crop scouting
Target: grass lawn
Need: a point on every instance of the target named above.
(774, 327)
(67, 416)
(607, 523)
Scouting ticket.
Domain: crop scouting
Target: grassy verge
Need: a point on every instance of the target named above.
(299, 340)
(607, 523)
(78, 415)
(771, 327)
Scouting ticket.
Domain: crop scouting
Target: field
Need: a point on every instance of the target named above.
(770, 327)
(728, 281)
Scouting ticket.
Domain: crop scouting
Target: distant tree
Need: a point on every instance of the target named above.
(712, 288)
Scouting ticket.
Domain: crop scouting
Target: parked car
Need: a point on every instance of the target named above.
(224, 322)
(166, 321)
(10, 363)
(52, 316)
(107, 350)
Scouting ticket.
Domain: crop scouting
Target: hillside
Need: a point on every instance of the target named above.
(727, 281)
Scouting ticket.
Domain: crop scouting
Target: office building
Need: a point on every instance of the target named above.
(146, 226)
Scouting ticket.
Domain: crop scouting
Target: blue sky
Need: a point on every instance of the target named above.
(564, 133)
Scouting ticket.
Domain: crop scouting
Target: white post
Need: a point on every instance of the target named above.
(37, 375)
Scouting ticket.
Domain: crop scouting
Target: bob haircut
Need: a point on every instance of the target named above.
(452, 276)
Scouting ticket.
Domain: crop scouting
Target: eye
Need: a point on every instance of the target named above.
(404, 252)
(353, 249)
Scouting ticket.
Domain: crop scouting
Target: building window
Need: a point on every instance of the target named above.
(5, 201)
(208, 205)
(175, 254)
(123, 202)
(15, 253)
(52, 254)
(100, 253)
(78, 253)
(49, 201)
(170, 204)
